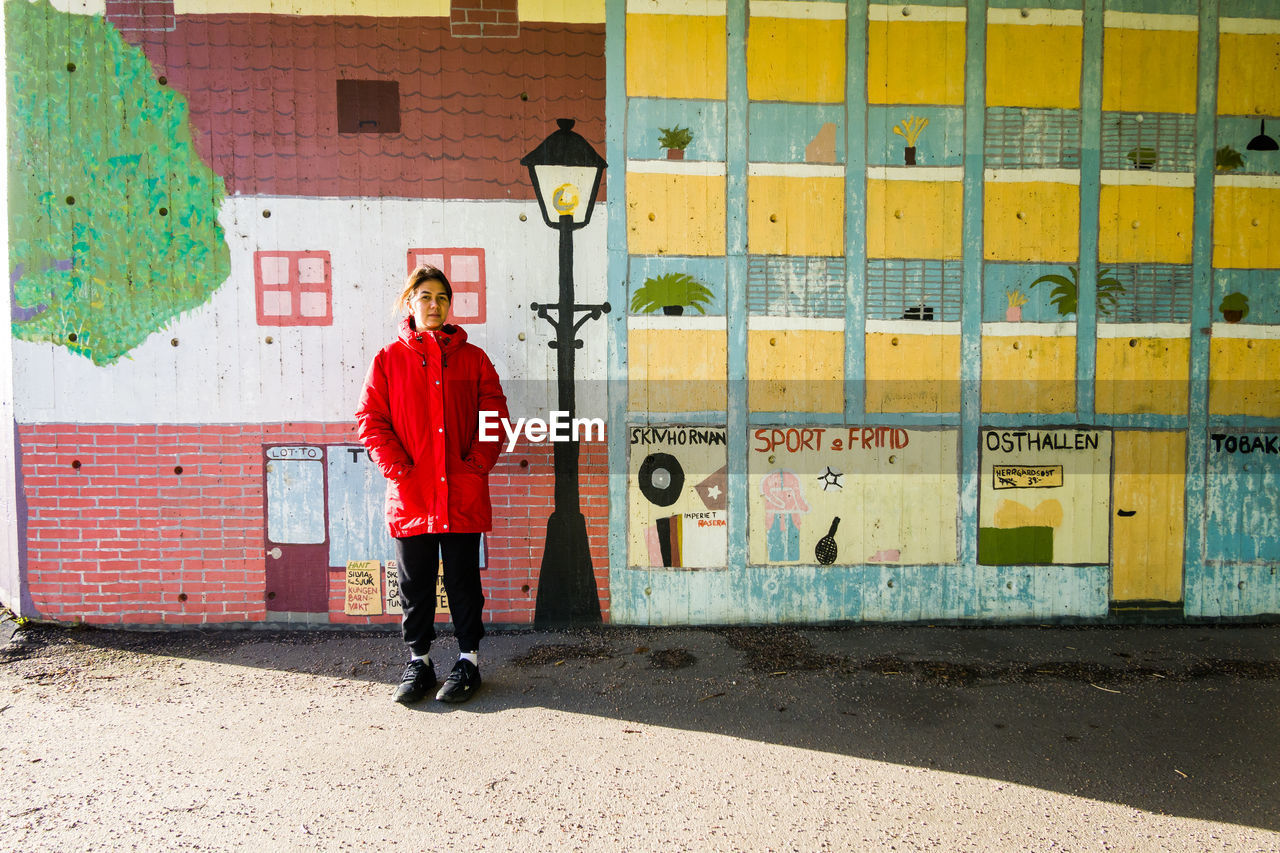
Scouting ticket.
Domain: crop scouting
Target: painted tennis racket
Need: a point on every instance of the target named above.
(825, 550)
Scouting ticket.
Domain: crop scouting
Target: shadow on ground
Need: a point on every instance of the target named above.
(1173, 720)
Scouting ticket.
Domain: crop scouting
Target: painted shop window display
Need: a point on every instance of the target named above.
(1247, 146)
(914, 289)
(671, 293)
(1124, 293)
(1148, 293)
(915, 135)
(1025, 138)
(293, 288)
(677, 497)
(1246, 297)
(795, 287)
(796, 133)
(465, 270)
(672, 129)
(853, 495)
(1044, 497)
(1162, 142)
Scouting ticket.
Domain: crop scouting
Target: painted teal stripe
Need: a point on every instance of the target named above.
(1090, 190)
(1194, 576)
(870, 593)
(736, 130)
(1222, 423)
(975, 103)
(615, 42)
(1005, 420)
(855, 210)
(1141, 421)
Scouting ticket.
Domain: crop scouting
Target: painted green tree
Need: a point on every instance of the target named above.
(113, 228)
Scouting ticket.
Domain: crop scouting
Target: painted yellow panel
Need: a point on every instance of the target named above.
(676, 56)
(677, 370)
(795, 216)
(1149, 70)
(686, 526)
(895, 491)
(914, 219)
(915, 62)
(675, 214)
(1033, 66)
(913, 373)
(1247, 64)
(795, 59)
(1242, 377)
(1032, 221)
(1142, 375)
(1246, 227)
(1076, 510)
(1145, 224)
(795, 371)
(562, 11)
(1148, 520)
(1028, 373)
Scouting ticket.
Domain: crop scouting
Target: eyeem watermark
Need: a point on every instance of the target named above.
(559, 428)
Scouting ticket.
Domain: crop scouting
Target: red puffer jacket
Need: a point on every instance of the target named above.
(419, 419)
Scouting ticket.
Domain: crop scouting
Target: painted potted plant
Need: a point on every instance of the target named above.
(1065, 293)
(672, 292)
(910, 129)
(1016, 299)
(1142, 157)
(1227, 159)
(1234, 307)
(675, 140)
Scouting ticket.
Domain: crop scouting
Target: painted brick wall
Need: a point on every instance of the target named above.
(163, 524)
(484, 18)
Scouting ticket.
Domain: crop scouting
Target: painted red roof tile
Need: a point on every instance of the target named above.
(263, 96)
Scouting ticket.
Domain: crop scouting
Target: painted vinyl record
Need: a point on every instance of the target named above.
(661, 478)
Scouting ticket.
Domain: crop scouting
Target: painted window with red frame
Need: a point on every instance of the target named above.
(293, 288)
(465, 270)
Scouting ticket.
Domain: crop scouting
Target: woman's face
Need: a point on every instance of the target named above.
(429, 305)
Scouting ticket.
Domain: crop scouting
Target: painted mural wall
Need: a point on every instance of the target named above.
(933, 311)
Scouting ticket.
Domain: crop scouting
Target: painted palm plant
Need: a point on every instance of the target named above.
(1065, 295)
(910, 129)
(672, 292)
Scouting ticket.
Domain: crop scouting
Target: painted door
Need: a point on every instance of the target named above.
(1147, 516)
(296, 538)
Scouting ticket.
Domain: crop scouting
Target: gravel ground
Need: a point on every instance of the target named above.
(867, 738)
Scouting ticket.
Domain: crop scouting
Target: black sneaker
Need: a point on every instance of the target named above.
(461, 684)
(418, 679)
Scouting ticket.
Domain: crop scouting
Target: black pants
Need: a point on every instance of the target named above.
(420, 557)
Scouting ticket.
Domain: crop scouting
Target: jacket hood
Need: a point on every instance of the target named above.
(449, 337)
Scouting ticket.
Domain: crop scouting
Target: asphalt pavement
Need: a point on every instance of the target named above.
(758, 738)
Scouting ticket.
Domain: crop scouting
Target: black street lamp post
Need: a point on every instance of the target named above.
(560, 168)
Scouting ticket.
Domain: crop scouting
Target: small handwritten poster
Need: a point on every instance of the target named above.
(442, 598)
(392, 586)
(364, 588)
(1026, 477)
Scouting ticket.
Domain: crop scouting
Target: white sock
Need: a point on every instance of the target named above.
(474, 657)
(413, 656)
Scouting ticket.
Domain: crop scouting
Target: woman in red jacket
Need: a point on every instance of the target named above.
(419, 419)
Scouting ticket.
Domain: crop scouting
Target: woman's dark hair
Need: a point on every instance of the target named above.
(419, 276)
